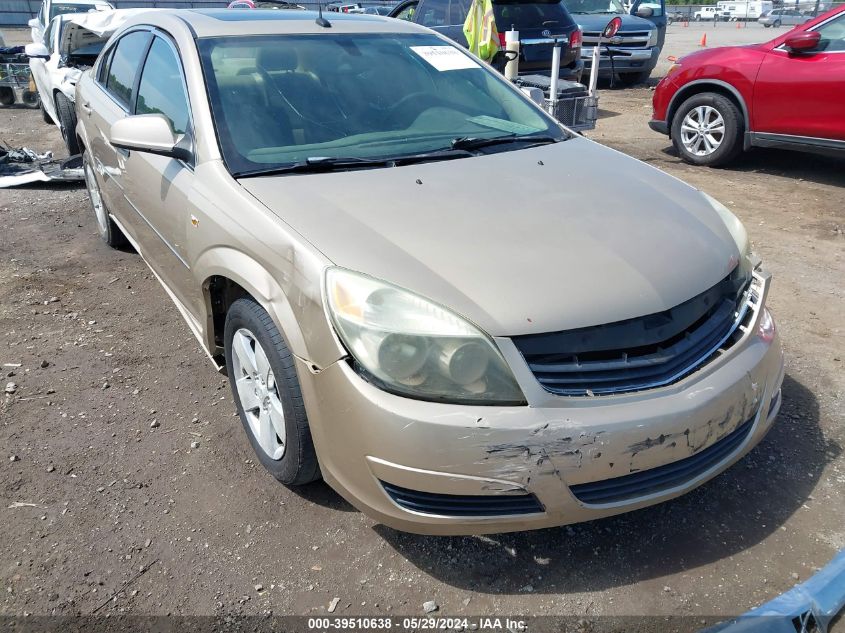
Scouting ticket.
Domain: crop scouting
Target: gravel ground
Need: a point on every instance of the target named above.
(99, 479)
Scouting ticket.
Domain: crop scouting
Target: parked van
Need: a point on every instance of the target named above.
(539, 23)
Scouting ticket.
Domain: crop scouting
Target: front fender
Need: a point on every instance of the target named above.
(297, 310)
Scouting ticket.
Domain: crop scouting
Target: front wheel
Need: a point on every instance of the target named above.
(707, 130)
(267, 394)
(67, 123)
(778, 24)
(106, 227)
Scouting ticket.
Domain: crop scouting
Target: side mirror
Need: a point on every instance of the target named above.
(36, 50)
(612, 28)
(803, 41)
(33, 23)
(535, 94)
(147, 133)
(644, 11)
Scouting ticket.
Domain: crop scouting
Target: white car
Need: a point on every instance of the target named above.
(52, 8)
(70, 46)
(709, 13)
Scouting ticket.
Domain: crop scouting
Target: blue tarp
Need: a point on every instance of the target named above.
(813, 603)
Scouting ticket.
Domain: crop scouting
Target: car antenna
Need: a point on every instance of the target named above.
(321, 21)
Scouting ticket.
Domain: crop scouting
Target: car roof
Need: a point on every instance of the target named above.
(228, 22)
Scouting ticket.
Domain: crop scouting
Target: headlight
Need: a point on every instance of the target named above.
(652, 38)
(410, 346)
(733, 224)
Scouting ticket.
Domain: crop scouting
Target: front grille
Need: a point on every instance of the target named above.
(462, 505)
(644, 352)
(663, 477)
(623, 39)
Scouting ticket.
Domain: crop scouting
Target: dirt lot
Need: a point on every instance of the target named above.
(98, 353)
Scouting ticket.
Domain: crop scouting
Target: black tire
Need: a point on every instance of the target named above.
(778, 24)
(7, 96)
(44, 114)
(108, 230)
(731, 144)
(632, 79)
(67, 123)
(298, 465)
(698, 18)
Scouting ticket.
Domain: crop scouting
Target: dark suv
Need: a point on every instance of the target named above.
(539, 22)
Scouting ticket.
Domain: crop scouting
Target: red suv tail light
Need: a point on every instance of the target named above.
(576, 39)
(502, 40)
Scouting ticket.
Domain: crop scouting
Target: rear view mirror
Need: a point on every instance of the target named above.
(612, 28)
(33, 23)
(147, 133)
(36, 50)
(644, 11)
(803, 41)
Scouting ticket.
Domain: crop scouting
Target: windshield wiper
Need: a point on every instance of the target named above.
(318, 164)
(424, 157)
(471, 142)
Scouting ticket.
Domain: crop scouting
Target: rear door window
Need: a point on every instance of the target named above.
(120, 78)
(458, 10)
(433, 13)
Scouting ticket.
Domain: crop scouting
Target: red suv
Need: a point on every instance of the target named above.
(787, 93)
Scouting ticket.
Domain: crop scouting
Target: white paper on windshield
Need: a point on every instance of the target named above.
(445, 57)
(503, 125)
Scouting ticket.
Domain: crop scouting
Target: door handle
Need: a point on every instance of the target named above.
(86, 108)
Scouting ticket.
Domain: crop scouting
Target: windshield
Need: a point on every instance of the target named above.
(58, 8)
(595, 6)
(283, 99)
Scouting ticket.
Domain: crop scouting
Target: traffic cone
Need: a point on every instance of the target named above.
(703, 40)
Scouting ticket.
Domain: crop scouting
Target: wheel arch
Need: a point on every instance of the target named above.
(707, 85)
(228, 275)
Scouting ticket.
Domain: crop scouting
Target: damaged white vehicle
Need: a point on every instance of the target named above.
(70, 46)
(51, 8)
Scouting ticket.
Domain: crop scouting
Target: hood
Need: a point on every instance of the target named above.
(595, 23)
(720, 54)
(83, 29)
(556, 237)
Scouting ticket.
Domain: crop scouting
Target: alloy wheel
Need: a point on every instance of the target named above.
(702, 130)
(258, 393)
(96, 198)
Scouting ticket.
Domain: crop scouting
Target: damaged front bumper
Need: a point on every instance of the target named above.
(450, 469)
